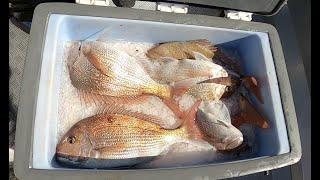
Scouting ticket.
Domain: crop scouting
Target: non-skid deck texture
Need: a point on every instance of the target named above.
(18, 41)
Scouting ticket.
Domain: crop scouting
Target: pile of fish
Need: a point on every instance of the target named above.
(120, 135)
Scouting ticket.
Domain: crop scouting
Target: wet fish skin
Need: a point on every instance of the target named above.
(93, 88)
(173, 70)
(207, 91)
(182, 50)
(214, 121)
(113, 136)
(114, 73)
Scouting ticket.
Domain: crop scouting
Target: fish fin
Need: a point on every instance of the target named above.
(152, 53)
(186, 83)
(252, 85)
(205, 43)
(189, 122)
(227, 81)
(179, 91)
(120, 109)
(201, 57)
(238, 120)
(112, 148)
(232, 73)
(96, 62)
(88, 99)
(173, 106)
(249, 115)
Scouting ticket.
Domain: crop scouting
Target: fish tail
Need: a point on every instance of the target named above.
(87, 98)
(160, 90)
(246, 118)
(174, 107)
(252, 85)
(189, 122)
(206, 44)
(249, 115)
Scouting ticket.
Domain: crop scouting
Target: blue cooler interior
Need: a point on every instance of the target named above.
(252, 47)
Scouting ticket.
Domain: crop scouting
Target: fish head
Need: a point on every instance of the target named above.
(214, 121)
(228, 141)
(75, 145)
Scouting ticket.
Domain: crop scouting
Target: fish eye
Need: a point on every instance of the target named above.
(71, 139)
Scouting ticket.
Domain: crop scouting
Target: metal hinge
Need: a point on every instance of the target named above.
(170, 7)
(94, 2)
(238, 15)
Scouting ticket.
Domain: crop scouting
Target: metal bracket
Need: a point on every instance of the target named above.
(238, 15)
(170, 7)
(94, 2)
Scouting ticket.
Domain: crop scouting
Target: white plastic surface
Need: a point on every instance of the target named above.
(254, 49)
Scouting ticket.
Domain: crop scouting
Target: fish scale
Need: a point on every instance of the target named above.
(93, 81)
(119, 62)
(174, 70)
(88, 74)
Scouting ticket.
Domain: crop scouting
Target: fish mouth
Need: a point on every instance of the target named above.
(234, 143)
(65, 158)
(226, 146)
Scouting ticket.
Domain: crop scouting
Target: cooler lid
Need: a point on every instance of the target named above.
(263, 7)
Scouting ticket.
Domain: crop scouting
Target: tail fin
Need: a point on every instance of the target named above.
(205, 43)
(189, 122)
(249, 115)
(252, 85)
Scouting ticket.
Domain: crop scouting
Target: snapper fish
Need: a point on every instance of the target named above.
(109, 140)
(182, 50)
(173, 70)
